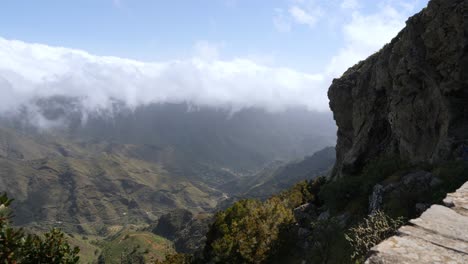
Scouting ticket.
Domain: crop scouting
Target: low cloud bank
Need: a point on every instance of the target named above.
(31, 71)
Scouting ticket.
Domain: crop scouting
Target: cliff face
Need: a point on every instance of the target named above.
(410, 99)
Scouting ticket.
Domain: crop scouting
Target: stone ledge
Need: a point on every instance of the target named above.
(439, 235)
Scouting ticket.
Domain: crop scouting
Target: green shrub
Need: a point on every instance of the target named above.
(301, 193)
(371, 231)
(247, 232)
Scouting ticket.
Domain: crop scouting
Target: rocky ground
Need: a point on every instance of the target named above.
(439, 235)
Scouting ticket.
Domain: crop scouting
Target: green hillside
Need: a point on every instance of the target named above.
(84, 187)
(105, 181)
(135, 246)
(279, 176)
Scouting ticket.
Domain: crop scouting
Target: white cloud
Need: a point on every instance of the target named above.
(263, 59)
(365, 34)
(29, 71)
(309, 17)
(362, 32)
(302, 12)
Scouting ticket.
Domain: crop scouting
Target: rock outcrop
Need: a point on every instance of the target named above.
(416, 182)
(410, 99)
(439, 235)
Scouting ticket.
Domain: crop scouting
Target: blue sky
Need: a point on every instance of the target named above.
(312, 40)
(160, 30)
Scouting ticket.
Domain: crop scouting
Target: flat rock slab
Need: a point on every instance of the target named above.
(444, 221)
(411, 250)
(439, 235)
(434, 238)
(459, 199)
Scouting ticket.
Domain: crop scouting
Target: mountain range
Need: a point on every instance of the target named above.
(87, 172)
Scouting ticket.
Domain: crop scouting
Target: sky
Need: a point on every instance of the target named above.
(242, 53)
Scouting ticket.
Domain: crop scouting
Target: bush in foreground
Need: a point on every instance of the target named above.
(247, 232)
(18, 247)
(371, 231)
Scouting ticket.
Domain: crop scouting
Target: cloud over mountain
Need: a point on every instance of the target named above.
(29, 71)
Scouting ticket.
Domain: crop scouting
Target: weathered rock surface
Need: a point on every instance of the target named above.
(459, 200)
(439, 235)
(414, 182)
(407, 250)
(410, 99)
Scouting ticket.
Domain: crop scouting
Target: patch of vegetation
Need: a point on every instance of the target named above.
(279, 177)
(352, 192)
(302, 192)
(171, 223)
(18, 247)
(371, 231)
(135, 247)
(252, 231)
(176, 259)
(89, 249)
(447, 177)
(247, 232)
(325, 239)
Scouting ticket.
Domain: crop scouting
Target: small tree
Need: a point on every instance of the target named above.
(10, 239)
(18, 247)
(371, 231)
(247, 231)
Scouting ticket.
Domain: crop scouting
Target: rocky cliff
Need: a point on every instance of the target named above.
(410, 99)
